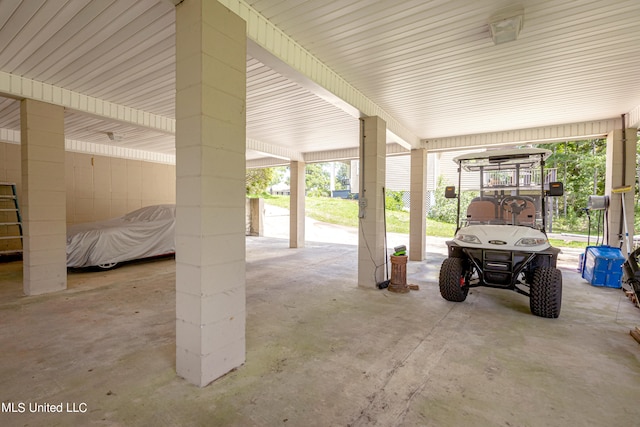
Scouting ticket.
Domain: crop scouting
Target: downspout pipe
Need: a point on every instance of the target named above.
(543, 196)
(459, 195)
(624, 172)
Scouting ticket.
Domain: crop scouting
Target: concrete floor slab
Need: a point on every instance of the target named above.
(320, 350)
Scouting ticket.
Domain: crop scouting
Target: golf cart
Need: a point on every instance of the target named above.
(500, 241)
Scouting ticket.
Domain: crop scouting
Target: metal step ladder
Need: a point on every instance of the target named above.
(10, 220)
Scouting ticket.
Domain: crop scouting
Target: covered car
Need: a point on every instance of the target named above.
(143, 233)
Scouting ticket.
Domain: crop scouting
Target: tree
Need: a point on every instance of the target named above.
(317, 180)
(342, 176)
(278, 173)
(581, 167)
(257, 180)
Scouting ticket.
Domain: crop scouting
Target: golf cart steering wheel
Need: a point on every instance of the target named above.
(516, 203)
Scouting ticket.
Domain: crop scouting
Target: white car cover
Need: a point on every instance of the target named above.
(146, 232)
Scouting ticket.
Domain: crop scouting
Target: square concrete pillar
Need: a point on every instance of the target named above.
(210, 190)
(418, 205)
(615, 179)
(256, 217)
(43, 203)
(296, 204)
(371, 253)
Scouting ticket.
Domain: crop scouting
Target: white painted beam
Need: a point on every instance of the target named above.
(349, 154)
(274, 150)
(271, 46)
(119, 152)
(13, 137)
(568, 132)
(18, 87)
(324, 156)
(633, 120)
(332, 155)
(10, 135)
(266, 162)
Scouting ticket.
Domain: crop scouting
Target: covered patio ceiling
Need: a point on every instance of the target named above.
(428, 67)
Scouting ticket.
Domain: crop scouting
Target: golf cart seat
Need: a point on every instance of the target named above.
(482, 211)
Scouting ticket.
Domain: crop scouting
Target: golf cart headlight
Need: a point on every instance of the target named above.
(468, 238)
(531, 241)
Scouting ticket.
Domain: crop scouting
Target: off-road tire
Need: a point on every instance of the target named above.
(545, 291)
(451, 272)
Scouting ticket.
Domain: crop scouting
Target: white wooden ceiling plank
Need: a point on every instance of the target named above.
(120, 59)
(266, 79)
(287, 106)
(328, 119)
(109, 27)
(10, 118)
(271, 93)
(47, 21)
(304, 11)
(401, 35)
(321, 126)
(144, 88)
(341, 23)
(257, 68)
(270, 8)
(563, 72)
(383, 19)
(97, 48)
(18, 19)
(523, 65)
(127, 78)
(160, 105)
(51, 49)
(9, 7)
(304, 141)
(464, 106)
(265, 91)
(433, 61)
(353, 59)
(379, 34)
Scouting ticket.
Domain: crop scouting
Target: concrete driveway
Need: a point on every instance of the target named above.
(321, 351)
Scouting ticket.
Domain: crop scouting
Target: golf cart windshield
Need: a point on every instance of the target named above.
(503, 187)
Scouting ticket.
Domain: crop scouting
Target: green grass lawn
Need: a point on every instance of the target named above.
(345, 212)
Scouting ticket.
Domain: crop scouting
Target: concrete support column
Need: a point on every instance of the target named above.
(371, 255)
(418, 205)
(210, 190)
(296, 204)
(256, 217)
(43, 203)
(614, 178)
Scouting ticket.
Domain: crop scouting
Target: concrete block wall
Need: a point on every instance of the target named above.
(103, 187)
(100, 187)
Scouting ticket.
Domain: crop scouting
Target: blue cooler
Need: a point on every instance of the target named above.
(603, 266)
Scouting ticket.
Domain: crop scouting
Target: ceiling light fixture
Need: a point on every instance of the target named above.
(115, 136)
(505, 26)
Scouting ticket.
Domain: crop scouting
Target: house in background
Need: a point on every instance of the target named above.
(280, 189)
(399, 169)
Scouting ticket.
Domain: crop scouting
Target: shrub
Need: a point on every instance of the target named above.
(445, 210)
(393, 200)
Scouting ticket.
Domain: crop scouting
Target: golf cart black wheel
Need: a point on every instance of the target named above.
(452, 283)
(545, 297)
